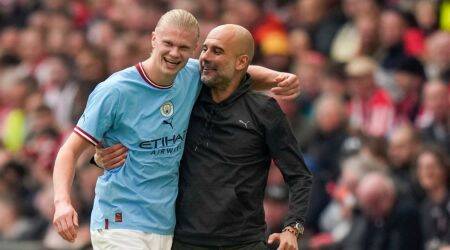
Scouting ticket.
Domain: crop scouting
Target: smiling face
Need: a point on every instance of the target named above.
(216, 62)
(430, 172)
(226, 53)
(172, 47)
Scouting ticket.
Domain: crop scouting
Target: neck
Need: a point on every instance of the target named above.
(155, 75)
(219, 95)
(438, 194)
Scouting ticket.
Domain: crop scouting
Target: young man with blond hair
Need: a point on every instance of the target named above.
(146, 108)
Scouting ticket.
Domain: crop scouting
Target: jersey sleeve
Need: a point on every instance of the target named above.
(99, 115)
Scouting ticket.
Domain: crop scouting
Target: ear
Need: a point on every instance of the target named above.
(242, 62)
(153, 39)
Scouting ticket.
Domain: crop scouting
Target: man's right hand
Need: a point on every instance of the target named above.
(112, 157)
(66, 220)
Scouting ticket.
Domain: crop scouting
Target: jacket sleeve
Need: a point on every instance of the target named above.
(285, 152)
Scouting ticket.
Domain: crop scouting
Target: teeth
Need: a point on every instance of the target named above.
(172, 62)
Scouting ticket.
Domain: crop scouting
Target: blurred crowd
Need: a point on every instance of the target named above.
(373, 118)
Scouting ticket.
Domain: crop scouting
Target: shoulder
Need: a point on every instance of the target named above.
(110, 87)
(115, 83)
(189, 76)
(192, 67)
(193, 64)
(263, 103)
(265, 108)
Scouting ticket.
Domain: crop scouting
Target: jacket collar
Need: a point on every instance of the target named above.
(243, 87)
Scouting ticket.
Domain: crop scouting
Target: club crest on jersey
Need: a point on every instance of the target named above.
(167, 109)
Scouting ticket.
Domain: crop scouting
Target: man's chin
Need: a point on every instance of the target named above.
(208, 83)
(171, 71)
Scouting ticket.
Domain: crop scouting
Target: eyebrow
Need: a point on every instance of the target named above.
(178, 45)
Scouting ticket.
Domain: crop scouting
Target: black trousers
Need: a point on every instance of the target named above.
(177, 245)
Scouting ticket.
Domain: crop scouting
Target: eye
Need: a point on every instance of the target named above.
(167, 43)
(184, 48)
(204, 48)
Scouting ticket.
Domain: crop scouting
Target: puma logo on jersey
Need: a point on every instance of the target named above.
(245, 123)
(168, 122)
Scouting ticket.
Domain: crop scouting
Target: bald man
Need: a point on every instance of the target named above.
(232, 137)
(386, 222)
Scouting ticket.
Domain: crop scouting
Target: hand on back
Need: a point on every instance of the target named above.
(111, 157)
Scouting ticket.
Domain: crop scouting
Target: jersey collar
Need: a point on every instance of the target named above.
(144, 76)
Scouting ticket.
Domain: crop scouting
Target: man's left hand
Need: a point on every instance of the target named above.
(288, 86)
(287, 240)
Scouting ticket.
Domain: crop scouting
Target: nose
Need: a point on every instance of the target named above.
(174, 52)
(205, 55)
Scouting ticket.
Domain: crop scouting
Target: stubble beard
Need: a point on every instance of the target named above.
(218, 82)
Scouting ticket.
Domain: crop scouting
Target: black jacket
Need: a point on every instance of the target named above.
(225, 165)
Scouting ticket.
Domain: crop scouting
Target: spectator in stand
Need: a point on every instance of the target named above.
(336, 219)
(299, 43)
(435, 119)
(122, 54)
(387, 221)
(371, 108)
(392, 29)
(332, 81)
(13, 126)
(101, 35)
(375, 148)
(14, 226)
(9, 39)
(437, 54)
(266, 28)
(409, 77)
(91, 70)
(59, 88)
(41, 144)
(359, 34)
(437, 50)
(425, 13)
(324, 151)
(32, 51)
(310, 67)
(322, 19)
(433, 173)
(403, 146)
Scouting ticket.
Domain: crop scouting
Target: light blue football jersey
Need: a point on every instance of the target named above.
(151, 121)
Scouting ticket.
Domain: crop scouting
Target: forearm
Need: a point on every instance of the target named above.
(299, 189)
(263, 78)
(63, 174)
(64, 169)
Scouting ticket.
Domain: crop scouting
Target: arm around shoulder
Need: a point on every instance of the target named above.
(282, 84)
